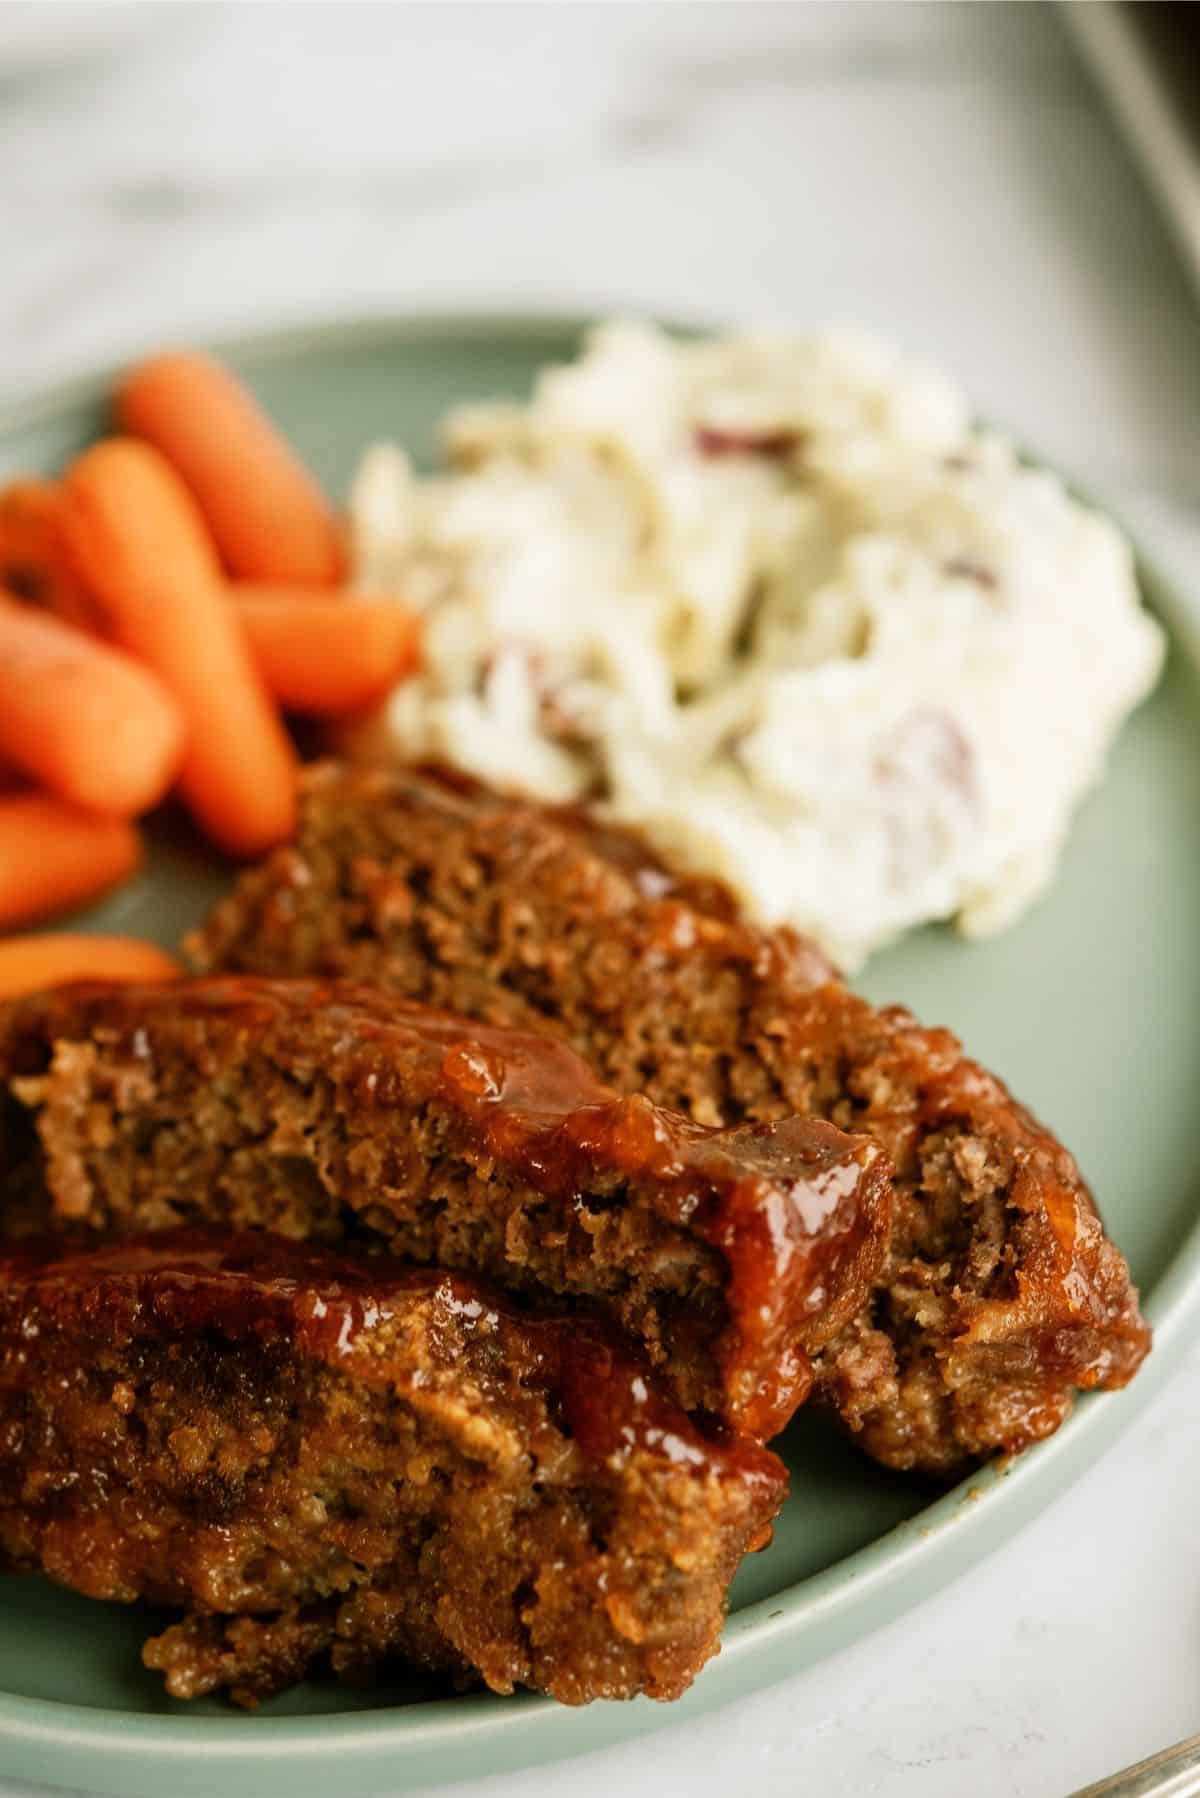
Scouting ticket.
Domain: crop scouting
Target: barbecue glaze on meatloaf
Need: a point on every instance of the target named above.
(325, 1110)
(1001, 1293)
(312, 1455)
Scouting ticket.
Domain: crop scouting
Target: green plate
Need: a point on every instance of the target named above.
(1087, 1007)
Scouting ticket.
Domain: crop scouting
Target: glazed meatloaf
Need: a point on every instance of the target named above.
(1001, 1293)
(314, 1456)
(332, 1111)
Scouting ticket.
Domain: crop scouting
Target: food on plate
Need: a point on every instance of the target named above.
(336, 1112)
(268, 517)
(421, 1278)
(1001, 1293)
(142, 549)
(31, 964)
(87, 721)
(325, 655)
(33, 560)
(54, 857)
(311, 1454)
(780, 606)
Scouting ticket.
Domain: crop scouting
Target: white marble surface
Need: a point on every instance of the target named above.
(944, 174)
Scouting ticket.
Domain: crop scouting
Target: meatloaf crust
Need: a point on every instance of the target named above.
(317, 1456)
(325, 1110)
(1001, 1293)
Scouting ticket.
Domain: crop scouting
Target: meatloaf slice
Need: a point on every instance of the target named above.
(1000, 1294)
(310, 1454)
(332, 1110)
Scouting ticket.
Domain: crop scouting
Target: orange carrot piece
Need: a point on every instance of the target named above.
(326, 654)
(141, 546)
(83, 719)
(33, 560)
(53, 857)
(30, 964)
(269, 518)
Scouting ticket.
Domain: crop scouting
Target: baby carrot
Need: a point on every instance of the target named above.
(325, 654)
(83, 719)
(33, 560)
(141, 547)
(270, 520)
(53, 857)
(29, 964)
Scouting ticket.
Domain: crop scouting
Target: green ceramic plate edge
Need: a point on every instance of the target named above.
(428, 1744)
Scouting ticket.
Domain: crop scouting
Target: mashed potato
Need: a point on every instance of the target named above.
(777, 604)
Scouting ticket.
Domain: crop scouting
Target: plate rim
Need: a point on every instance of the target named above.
(432, 1742)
